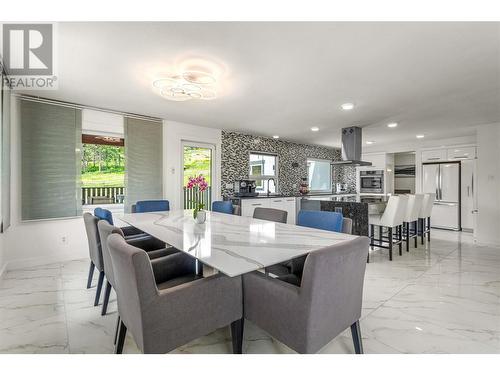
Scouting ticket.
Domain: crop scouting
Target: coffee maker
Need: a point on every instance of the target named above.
(244, 188)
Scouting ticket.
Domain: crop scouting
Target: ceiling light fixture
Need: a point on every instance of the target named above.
(314, 129)
(187, 85)
(420, 136)
(276, 136)
(347, 106)
(370, 142)
(392, 125)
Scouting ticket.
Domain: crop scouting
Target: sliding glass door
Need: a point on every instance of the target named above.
(197, 159)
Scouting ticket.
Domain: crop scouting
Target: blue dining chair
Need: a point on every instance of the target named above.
(152, 206)
(129, 232)
(104, 214)
(326, 220)
(291, 271)
(225, 207)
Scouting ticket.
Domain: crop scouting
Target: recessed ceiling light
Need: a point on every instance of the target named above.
(347, 106)
(314, 129)
(370, 142)
(392, 125)
(420, 136)
(276, 136)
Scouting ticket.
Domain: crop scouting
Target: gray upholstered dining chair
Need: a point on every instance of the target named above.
(151, 245)
(95, 252)
(328, 300)
(271, 214)
(163, 312)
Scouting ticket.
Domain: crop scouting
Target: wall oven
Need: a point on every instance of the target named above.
(371, 181)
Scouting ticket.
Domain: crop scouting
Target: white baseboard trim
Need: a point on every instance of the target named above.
(40, 261)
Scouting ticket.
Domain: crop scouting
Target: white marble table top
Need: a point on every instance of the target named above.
(233, 245)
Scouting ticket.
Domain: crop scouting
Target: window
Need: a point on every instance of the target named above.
(262, 168)
(103, 170)
(319, 173)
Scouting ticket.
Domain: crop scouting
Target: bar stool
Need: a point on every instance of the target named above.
(424, 216)
(391, 218)
(411, 217)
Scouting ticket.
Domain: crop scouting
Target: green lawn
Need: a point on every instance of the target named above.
(101, 179)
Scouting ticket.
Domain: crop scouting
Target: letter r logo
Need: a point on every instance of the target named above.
(28, 49)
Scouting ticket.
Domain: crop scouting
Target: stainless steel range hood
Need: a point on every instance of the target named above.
(352, 141)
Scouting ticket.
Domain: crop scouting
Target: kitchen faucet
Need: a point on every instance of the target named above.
(268, 181)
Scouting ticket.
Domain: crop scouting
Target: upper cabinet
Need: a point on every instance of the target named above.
(449, 154)
(461, 153)
(378, 160)
(434, 155)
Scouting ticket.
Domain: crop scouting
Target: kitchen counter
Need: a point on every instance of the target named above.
(319, 195)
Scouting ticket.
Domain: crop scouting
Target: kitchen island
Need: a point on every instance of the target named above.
(355, 209)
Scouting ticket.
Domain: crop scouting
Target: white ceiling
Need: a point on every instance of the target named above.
(439, 79)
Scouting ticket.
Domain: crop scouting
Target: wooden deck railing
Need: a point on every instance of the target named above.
(96, 195)
(206, 198)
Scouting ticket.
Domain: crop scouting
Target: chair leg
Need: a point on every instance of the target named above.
(237, 335)
(407, 225)
(422, 230)
(380, 235)
(117, 329)
(122, 332)
(99, 287)
(356, 337)
(429, 229)
(416, 234)
(390, 243)
(91, 275)
(107, 292)
(400, 239)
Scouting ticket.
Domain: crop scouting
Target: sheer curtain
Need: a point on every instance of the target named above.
(143, 161)
(50, 161)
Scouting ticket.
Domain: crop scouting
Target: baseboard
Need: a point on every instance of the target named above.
(40, 261)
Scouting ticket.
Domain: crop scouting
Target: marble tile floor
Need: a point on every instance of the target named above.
(439, 298)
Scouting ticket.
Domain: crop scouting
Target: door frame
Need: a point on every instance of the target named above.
(213, 169)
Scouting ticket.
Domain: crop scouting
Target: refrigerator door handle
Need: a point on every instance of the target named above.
(437, 184)
(440, 181)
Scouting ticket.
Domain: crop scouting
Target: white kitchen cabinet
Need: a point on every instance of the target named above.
(468, 194)
(287, 204)
(462, 153)
(249, 205)
(378, 160)
(439, 154)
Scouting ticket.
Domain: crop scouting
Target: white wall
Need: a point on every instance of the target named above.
(173, 134)
(488, 181)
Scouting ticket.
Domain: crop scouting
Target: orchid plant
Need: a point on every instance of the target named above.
(199, 185)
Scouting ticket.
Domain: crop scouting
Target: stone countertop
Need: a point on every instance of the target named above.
(291, 195)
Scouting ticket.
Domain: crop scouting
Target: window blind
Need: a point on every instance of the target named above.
(50, 161)
(143, 161)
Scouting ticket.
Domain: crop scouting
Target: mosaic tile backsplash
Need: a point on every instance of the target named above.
(235, 164)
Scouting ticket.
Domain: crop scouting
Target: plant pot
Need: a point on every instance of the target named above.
(200, 216)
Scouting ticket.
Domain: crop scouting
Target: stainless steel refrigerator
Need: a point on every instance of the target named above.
(443, 179)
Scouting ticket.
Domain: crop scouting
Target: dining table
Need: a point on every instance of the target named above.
(232, 244)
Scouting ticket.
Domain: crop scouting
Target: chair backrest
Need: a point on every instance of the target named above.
(427, 205)
(106, 230)
(104, 214)
(326, 220)
(225, 207)
(413, 207)
(135, 283)
(94, 240)
(395, 211)
(332, 288)
(271, 214)
(152, 206)
(347, 225)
